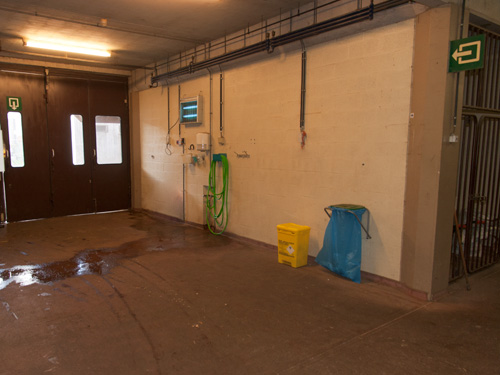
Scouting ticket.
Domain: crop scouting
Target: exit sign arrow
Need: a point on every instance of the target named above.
(458, 56)
(467, 54)
(14, 104)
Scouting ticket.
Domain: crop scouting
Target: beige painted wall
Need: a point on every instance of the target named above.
(163, 176)
(357, 110)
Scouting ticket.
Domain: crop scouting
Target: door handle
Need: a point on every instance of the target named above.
(53, 153)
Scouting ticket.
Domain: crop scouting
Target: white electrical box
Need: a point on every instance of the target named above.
(191, 111)
(2, 159)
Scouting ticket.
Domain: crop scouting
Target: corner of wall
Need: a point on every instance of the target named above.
(431, 171)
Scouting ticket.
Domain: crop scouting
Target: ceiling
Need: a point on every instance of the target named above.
(137, 32)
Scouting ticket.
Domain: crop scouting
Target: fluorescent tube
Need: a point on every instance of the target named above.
(66, 48)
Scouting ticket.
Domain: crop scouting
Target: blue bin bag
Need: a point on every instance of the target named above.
(341, 251)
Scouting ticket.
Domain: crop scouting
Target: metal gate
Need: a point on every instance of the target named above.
(478, 185)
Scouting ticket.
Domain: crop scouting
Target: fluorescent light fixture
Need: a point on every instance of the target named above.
(66, 48)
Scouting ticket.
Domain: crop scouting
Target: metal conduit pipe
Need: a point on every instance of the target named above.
(270, 25)
(268, 45)
(303, 88)
(221, 127)
(222, 59)
(293, 36)
(178, 107)
(211, 113)
(168, 112)
(261, 46)
(322, 28)
(389, 4)
(183, 165)
(200, 66)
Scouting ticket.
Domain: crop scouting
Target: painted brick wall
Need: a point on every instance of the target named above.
(162, 173)
(161, 176)
(357, 111)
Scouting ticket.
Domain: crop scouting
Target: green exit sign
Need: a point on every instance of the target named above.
(14, 104)
(467, 53)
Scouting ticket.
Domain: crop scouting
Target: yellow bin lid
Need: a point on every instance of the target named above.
(291, 227)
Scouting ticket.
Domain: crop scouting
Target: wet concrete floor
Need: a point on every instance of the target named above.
(126, 293)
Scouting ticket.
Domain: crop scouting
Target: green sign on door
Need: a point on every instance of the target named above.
(14, 104)
(467, 54)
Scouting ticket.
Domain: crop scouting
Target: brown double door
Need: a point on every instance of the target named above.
(66, 145)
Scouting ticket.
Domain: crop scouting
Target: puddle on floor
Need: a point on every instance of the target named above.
(100, 261)
(86, 262)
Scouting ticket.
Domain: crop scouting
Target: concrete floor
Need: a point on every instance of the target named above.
(127, 293)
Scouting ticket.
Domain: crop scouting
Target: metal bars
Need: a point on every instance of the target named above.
(478, 184)
(482, 86)
(478, 194)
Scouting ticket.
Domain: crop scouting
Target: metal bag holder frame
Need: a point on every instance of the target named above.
(349, 208)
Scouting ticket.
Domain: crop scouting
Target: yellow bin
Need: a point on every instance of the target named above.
(293, 244)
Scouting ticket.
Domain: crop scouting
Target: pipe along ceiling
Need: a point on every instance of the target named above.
(270, 44)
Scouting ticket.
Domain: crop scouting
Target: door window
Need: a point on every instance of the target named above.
(108, 136)
(77, 139)
(15, 125)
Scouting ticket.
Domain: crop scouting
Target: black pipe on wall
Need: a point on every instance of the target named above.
(303, 89)
(270, 44)
(221, 126)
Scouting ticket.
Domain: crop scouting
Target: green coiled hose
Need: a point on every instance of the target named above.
(219, 215)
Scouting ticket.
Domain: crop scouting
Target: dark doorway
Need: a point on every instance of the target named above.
(67, 145)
